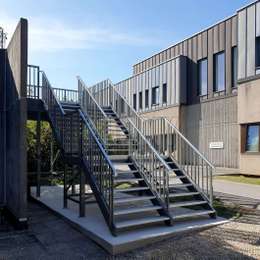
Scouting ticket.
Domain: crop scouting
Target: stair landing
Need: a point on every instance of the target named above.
(95, 227)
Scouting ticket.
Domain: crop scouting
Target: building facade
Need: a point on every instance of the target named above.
(208, 85)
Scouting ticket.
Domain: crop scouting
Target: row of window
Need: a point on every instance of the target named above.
(219, 70)
(218, 73)
(155, 98)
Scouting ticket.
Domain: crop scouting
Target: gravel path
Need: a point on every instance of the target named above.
(49, 237)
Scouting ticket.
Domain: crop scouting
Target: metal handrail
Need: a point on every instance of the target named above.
(170, 142)
(152, 166)
(66, 95)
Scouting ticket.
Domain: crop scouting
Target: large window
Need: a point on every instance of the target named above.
(164, 93)
(134, 101)
(146, 98)
(252, 138)
(234, 67)
(219, 71)
(257, 54)
(203, 77)
(140, 100)
(155, 96)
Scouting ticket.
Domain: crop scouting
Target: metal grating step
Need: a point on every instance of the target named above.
(127, 180)
(132, 199)
(139, 222)
(197, 213)
(183, 194)
(187, 203)
(136, 210)
(133, 189)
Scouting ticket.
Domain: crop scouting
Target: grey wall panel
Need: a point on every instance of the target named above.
(258, 19)
(216, 39)
(222, 38)
(208, 122)
(228, 57)
(210, 61)
(234, 30)
(199, 49)
(250, 50)
(204, 44)
(242, 44)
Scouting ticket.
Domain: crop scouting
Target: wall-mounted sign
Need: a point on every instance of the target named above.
(216, 145)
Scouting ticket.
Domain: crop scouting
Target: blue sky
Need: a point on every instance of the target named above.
(103, 39)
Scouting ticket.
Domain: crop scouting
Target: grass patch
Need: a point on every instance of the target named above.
(240, 178)
(226, 211)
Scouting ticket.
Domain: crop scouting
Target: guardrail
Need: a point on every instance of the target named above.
(3, 38)
(169, 141)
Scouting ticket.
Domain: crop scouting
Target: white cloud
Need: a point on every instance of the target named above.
(54, 35)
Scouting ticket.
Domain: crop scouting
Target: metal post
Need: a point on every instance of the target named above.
(82, 194)
(65, 201)
(38, 152)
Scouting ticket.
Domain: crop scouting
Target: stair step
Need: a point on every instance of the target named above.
(183, 194)
(127, 171)
(135, 210)
(187, 203)
(180, 185)
(127, 180)
(139, 222)
(133, 189)
(132, 199)
(193, 214)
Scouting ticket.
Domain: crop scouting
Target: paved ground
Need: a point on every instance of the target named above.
(238, 189)
(49, 237)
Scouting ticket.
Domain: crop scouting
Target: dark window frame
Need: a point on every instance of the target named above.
(155, 99)
(140, 100)
(215, 71)
(244, 138)
(134, 101)
(257, 53)
(164, 93)
(146, 98)
(199, 91)
(234, 68)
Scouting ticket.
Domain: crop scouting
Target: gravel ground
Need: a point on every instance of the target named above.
(49, 237)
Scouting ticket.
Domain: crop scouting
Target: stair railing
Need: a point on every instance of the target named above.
(66, 95)
(97, 117)
(106, 95)
(170, 142)
(150, 163)
(81, 139)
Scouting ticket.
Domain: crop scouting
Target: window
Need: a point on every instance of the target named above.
(219, 71)
(164, 93)
(252, 138)
(140, 100)
(234, 67)
(146, 98)
(134, 101)
(155, 96)
(203, 77)
(257, 54)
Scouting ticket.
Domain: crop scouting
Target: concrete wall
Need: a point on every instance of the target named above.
(2, 126)
(214, 121)
(249, 112)
(16, 116)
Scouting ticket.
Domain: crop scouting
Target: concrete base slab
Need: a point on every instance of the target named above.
(95, 227)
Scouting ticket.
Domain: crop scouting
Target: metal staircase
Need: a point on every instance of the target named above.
(138, 176)
(189, 174)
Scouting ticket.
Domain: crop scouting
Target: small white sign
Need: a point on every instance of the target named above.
(216, 145)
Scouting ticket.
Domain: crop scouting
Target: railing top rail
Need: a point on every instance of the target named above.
(184, 138)
(151, 147)
(51, 89)
(98, 142)
(66, 89)
(85, 87)
(134, 111)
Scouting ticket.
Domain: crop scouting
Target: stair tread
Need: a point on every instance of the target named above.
(127, 179)
(131, 199)
(187, 203)
(126, 171)
(193, 214)
(142, 221)
(135, 210)
(180, 185)
(131, 189)
(183, 194)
